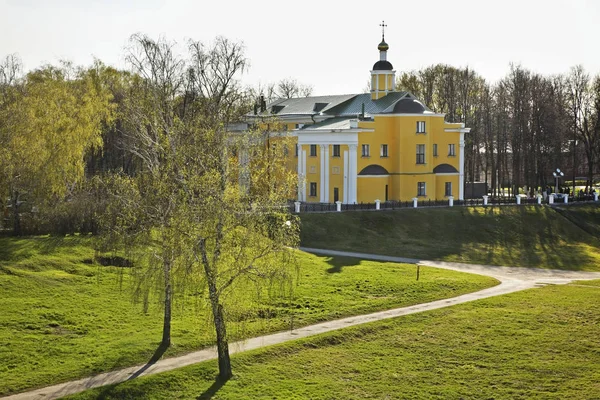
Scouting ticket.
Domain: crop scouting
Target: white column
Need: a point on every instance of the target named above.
(377, 204)
(595, 196)
(451, 201)
(485, 199)
(566, 199)
(415, 200)
(461, 162)
(326, 193)
(303, 176)
(297, 206)
(352, 174)
(539, 198)
(322, 174)
(338, 205)
(300, 173)
(345, 175)
(551, 199)
(518, 199)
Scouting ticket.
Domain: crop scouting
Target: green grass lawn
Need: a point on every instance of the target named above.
(514, 236)
(63, 318)
(536, 344)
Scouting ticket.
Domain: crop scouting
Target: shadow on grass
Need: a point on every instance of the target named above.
(213, 389)
(338, 263)
(530, 236)
(15, 248)
(110, 391)
(155, 357)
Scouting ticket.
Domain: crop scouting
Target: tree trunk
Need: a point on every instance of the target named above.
(222, 344)
(16, 218)
(166, 337)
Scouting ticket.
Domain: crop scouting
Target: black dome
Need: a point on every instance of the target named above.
(408, 106)
(444, 169)
(373, 169)
(383, 66)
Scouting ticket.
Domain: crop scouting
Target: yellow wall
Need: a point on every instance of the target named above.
(313, 173)
(441, 186)
(370, 189)
(336, 180)
(399, 133)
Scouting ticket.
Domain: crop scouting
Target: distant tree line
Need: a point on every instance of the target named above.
(523, 127)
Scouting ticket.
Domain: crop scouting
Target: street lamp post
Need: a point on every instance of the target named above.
(557, 175)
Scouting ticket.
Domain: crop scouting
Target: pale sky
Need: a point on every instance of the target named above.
(330, 45)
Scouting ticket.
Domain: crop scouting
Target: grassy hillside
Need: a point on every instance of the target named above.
(536, 344)
(64, 318)
(527, 236)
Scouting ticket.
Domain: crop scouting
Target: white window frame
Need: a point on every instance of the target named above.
(383, 151)
(435, 150)
(452, 150)
(366, 150)
(333, 150)
(421, 128)
(313, 193)
(420, 160)
(421, 185)
(313, 147)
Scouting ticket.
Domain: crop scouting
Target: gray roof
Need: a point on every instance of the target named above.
(329, 124)
(349, 105)
(305, 105)
(353, 106)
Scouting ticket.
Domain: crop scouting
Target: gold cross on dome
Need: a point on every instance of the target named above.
(382, 25)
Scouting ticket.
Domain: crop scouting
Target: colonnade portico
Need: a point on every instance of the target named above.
(349, 162)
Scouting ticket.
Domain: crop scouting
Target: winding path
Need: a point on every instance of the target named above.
(512, 279)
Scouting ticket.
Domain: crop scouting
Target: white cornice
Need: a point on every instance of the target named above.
(410, 115)
(460, 130)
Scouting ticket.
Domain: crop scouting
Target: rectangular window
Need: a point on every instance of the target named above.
(313, 150)
(420, 154)
(313, 189)
(297, 149)
(336, 150)
(384, 150)
(448, 190)
(421, 189)
(420, 126)
(435, 150)
(365, 150)
(452, 150)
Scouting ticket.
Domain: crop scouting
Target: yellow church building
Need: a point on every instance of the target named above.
(383, 145)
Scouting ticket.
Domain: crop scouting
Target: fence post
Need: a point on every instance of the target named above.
(451, 201)
(539, 197)
(485, 199)
(567, 199)
(518, 200)
(377, 204)
(551, 199)
(297, 206)
(338, 206)
(596, 196)
(415, 202)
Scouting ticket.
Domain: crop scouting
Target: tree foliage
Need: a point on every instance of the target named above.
(207, 204)
(51, 118)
